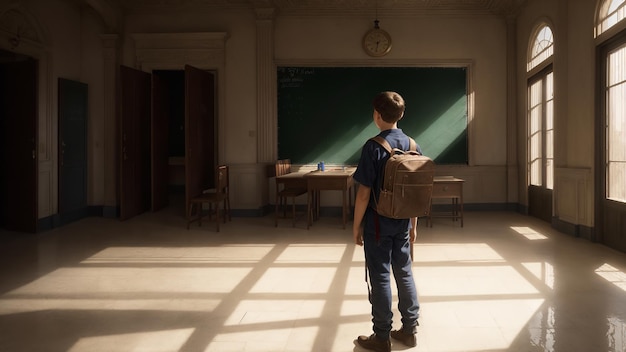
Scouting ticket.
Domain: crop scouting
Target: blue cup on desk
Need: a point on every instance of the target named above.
(322, 168)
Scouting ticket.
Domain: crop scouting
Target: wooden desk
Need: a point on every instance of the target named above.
(338, 180)
(448, 187)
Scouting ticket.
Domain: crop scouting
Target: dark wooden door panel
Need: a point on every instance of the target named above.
(18, 112)
(134, 122)
(614, 226)
(200, 128)
(160, 143)
(540, 203)
(72, 150)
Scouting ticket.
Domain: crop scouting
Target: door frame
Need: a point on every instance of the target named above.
(603, 207)
(540, 198)
(22, 197)
(73, 178)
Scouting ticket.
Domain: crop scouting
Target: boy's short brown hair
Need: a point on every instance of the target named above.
(390, 105)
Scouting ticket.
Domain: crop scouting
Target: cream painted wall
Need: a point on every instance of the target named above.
(73, 51)
(478, 42)
(572, 22)
(92, 72)
(481, 42)
(60, 53)
(238, 143)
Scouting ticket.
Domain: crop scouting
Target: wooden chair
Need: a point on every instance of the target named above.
(287, 189)
(217, 196)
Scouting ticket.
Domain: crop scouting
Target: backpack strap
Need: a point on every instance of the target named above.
(412, 145)
(383, 142)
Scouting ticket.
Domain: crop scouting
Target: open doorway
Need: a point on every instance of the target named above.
(168, 130)
(18, 142)
(183, 106)
(174, 97)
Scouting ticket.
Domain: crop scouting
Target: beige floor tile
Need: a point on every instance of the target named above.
(503, 282)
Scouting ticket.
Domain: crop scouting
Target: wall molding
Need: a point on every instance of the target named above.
(573, 196)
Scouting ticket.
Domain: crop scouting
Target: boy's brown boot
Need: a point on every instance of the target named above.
(408, 339)
(373, 343)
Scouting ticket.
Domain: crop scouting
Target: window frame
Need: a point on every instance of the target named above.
(546, 159)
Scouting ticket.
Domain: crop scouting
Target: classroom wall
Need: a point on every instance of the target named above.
(333, 40)
(424, 41)
(71, 47)
(64, 38)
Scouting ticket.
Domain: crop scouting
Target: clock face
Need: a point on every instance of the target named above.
(377, 42)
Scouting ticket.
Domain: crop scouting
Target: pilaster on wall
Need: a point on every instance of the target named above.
(266, 87)
(110, 62)
(512, 168)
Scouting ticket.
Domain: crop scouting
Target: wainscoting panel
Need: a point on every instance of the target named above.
(573, 192)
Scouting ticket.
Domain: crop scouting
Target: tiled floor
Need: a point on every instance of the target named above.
(504, 282)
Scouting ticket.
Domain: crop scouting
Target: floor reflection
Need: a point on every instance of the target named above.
(503, 282)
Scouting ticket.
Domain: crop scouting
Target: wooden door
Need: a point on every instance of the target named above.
(18, 118)
(134, 122)
(200, 131)
(72, 150)
(160, 143)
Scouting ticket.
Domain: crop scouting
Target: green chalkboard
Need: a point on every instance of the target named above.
(325, 113)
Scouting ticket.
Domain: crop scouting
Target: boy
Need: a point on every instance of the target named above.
(387, 241)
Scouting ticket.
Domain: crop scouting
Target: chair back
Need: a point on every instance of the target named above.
(221, 179)
(283, 167)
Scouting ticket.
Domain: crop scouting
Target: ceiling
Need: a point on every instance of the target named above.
(382, 8)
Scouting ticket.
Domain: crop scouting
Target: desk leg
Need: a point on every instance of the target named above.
(429, 223)
(461, 206)
(318, 205)
(309, 211)
(455, 209)
(344, 209)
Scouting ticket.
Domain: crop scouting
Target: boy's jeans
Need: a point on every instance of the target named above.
(390, 252)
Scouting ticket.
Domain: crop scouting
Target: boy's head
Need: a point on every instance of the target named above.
(390, 106)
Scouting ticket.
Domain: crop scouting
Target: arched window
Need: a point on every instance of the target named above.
(540, 123)
(541, 48)
(610, 12)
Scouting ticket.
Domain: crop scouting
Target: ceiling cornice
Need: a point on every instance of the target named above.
(333, 8)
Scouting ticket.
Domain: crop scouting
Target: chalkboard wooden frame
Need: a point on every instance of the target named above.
(324, 112)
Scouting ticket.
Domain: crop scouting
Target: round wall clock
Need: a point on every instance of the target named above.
(377, 42)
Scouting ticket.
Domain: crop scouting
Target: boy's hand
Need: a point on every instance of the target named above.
(357, 233)
(412, 234)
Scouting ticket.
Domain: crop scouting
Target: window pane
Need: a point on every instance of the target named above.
(616, 177)
(611, 12)
(535, 160)
(549, 159)
(550, 173)
(617, 71)
(616, 129)
(549, 131)
(542, 48)
(616, 126)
